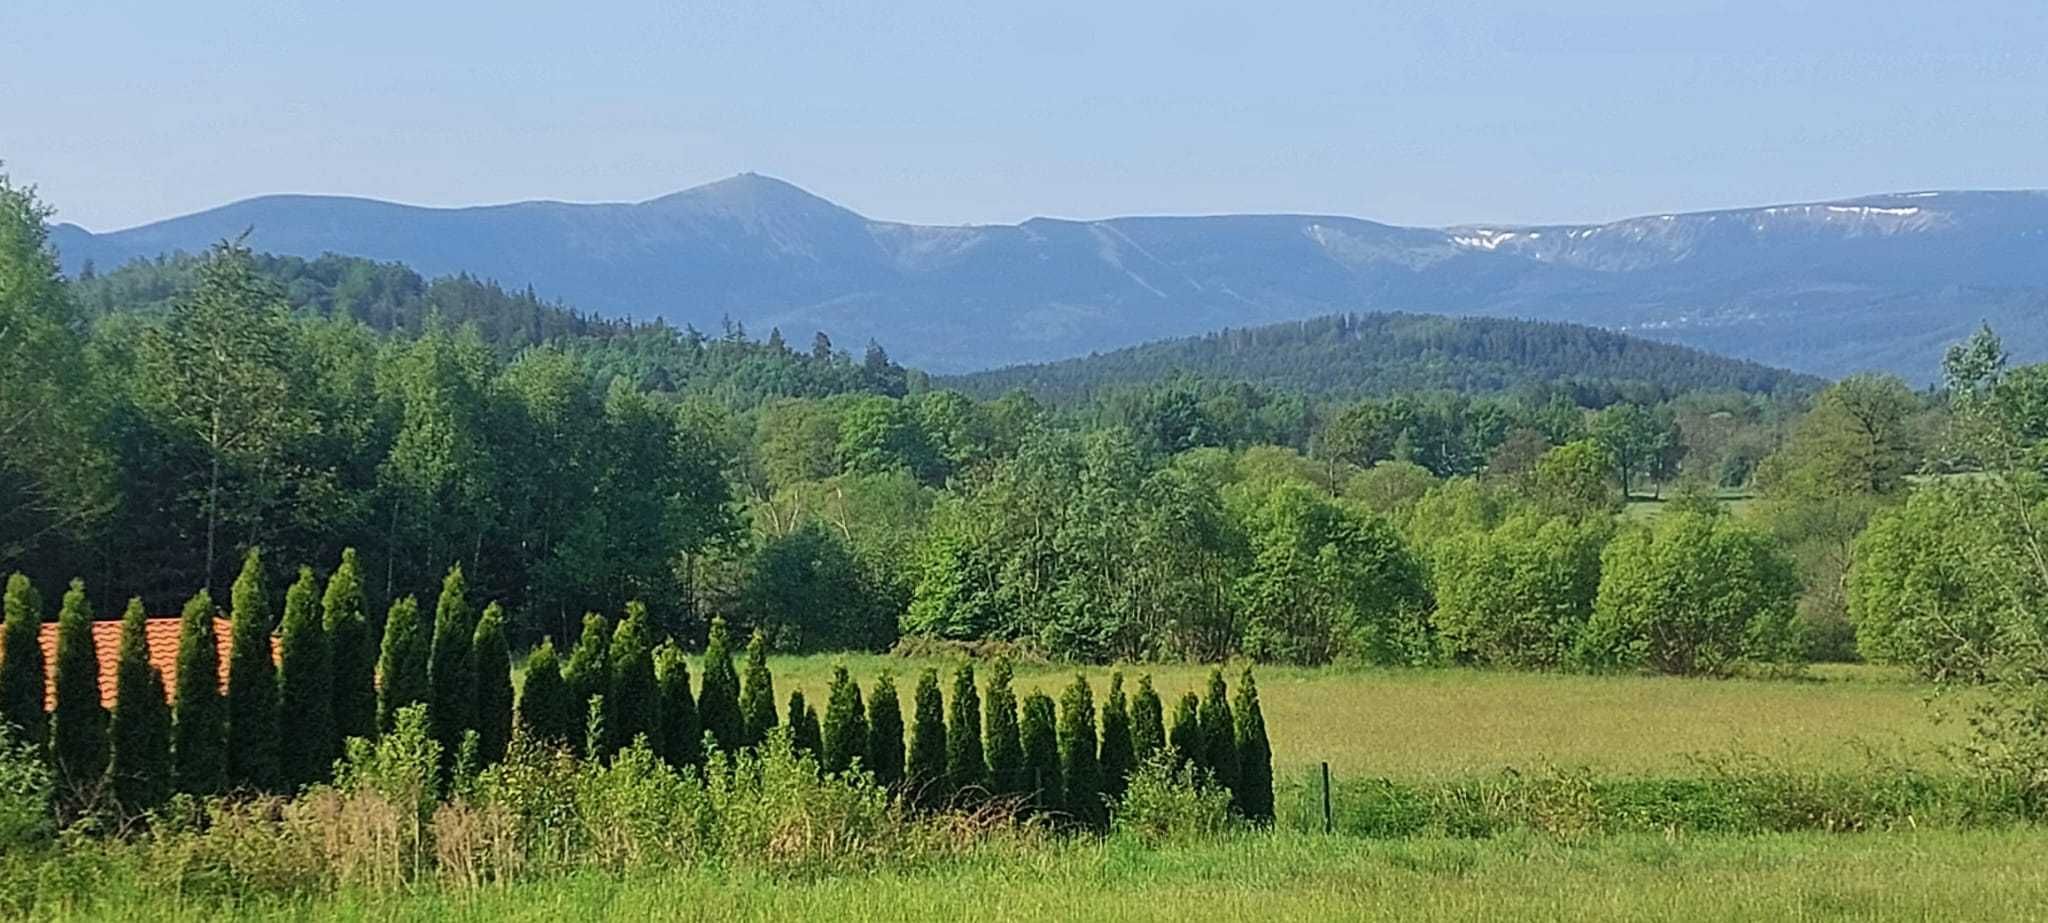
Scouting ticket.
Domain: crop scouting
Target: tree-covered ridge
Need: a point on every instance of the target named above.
(1351, 355)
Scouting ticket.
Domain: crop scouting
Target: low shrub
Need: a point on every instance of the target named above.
(1169, 799)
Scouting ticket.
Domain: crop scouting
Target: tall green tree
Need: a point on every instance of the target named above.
(1080, 772)
(635, 699)
(198, 714)
(885, 732)
(451, 708)
(548, 711)
(757, 692)
(966, 768)
(352, 651)
(718, 702)
(588, 670)
(1148, 722)
(402, 663)
(1695, 593)
(21, 661)
(140, 733)
(1219, 734)
(1004, 747)
(1185, 739)
(253, 729)
(1117, 758)
(78, 724)
(806, 736)
(682, 736)
(1038, 736)
(1254, 753)
(491, 664)
(305, 687)
(926, 766)
(846, 724)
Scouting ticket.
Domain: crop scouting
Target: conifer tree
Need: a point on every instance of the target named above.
(199, 758)
(808, 736)
(140, 733)
(1039, 738)
(718, 701)
(966, 768)
(78, 724)
(21, 662)
(1117, 758)
(305, 687)
(1254, 754)
(1080, 770)
(797, 741)
(1148, 723)
(352, 652)
(588, 671)
(1219, 733)
(757, 693)
(635, 699)
(491, 665)
(846, 724)
(999, 729)
(402, 662)
(451, 709)
(1185, 740)
(547, 710)
(885, 733)
(925, 768)
(253, 728)
(682, 738)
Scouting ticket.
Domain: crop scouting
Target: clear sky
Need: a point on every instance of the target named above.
(959, 111)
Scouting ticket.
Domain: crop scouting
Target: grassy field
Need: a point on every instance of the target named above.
(1646, 509)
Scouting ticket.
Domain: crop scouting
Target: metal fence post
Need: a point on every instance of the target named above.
(1329, 819)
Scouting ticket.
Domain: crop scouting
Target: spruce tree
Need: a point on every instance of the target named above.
(925, 768)
(999, 729)
(1039, 739)
(198, 715)
(682, 737)
(451, 708)
(305, 689)
(846, 724)
(1080, 769)
(1117, 758)
(140, 734)
(1185, 740)
(966, 768)
(253, 729)
(547, 710)
(718, 701)
(757, 693)
(21, 662)
(402, 662)
(1148, 723)
(78, 724)
(635, 699)
(885, 733)
(352, 652)
(1254, 754)
(588, 671)
(491, 665)
(1219, 733)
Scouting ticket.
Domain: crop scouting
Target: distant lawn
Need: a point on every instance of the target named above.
(1645, 509)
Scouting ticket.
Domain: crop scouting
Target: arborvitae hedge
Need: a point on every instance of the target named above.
(1219, 733)
(1005, 751)
(885, 732)
(797, 741)
(1116, 758)
(966, 768)
(682, 737)
(635, 699)
(1254, 754)
(757, 693)
(547, 709)
(718, 701)
(78, 725)
(451, 709)
(140, 734)
(402, 663)
(1038, 735)
(352, 651)
(1185, 739)
(491, 664)
(925, 768)
(253, 730)
(305, 688)
(199, 758)
(846, 724)
(1148, 723)
(1080, 770)
(21, 662)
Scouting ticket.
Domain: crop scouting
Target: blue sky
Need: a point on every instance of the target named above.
(957, 111)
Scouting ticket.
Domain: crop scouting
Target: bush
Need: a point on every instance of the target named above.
(491, 665)
(1518, 595)
(926, 766)
(402, 663)
(1169, 800)
(1116, 759)
(198, 719)
(885, 733)
(966, 768)
(846, 724)
(78, 725)
(1039, 738)
(305, 690)
(1185, 741)
(21, 662)
(449, 665)
(26, 788)
(1004, 749)
(682, 735)
(547, 710)
(718, 701)
(757, 693)
(1254, 753)
(1080, 773)
(352, 649)
(1148, 722)
(1692, 594)
(140, 733)
(1219, 733)
(633, 698)
(252, 747)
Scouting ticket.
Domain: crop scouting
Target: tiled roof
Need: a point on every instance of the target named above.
(106, 638)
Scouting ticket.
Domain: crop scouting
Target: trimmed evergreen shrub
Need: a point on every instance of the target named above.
(305, 689)
(253, 729)
(635, 700)
(757, 693)
(402, 662)
(1038, 735)
(140, 733)
(1001, 744)
(21, 663)
(352, 652)
(1080, 771)
(1116, 758)
(78, 724)
(1254, 754)
(491, 665)
(966, 768)
(885, 733)
(547, 710)
(1185, 740)
(718, 702)
(925, 768)
(1219, 733)
(1148, 722)
(588, 671)
(452, 708)
(846, 724)
(805, 736)
(682, 737)
(199, 759)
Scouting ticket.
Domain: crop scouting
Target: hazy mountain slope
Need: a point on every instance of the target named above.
(1826, 287)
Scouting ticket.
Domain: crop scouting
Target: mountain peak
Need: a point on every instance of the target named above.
(747, 194)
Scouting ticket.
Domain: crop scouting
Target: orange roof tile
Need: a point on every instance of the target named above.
(162, 633)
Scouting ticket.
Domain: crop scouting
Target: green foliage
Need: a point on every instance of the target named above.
(966, 767)
(1692, 594)
(597, 734)
(402, 662)
(450, 668)
(1117, 757)
(21, 663)
(808, 587)
(1639, 441)
(588, 671)
(548, 711)
(1519, 594)
(1253, 793)
(140, 732)
(757, 693)
(1148, 722)
(1326, 582)
(682, 735)
(78, 723)
(885, 756)
(1171, 801)
(305, 688)
(352, 650)
(491, 665)
(254, 754)
(806, 736)
(1004, 748)
(1219, 734)
(846, 725)
(1080, 768)
(635, 697)
(1574, 479)
(198, 714)
(1038, 737)
(718, 702)
(925, 768)
(1185, 739)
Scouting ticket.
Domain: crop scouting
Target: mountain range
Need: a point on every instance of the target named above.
(1879, 282)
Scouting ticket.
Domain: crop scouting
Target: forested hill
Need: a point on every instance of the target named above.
(1350, 355)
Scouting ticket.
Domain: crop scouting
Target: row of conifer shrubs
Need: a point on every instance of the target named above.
(287, 709)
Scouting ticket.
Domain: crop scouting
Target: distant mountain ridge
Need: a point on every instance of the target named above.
(1826, 287)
